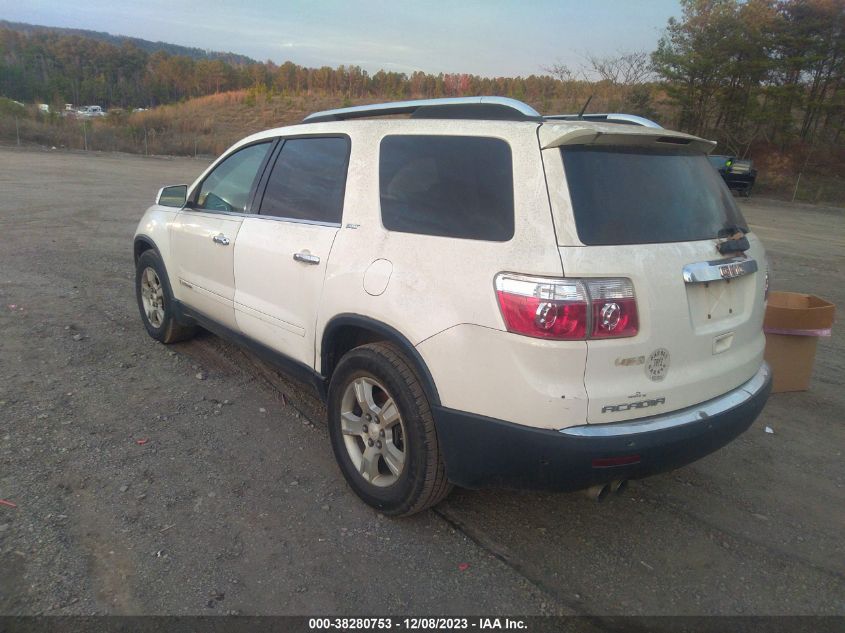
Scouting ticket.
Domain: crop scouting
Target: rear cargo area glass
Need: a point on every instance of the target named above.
(635, 195)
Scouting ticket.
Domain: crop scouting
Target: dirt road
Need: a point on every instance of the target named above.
(153, 479)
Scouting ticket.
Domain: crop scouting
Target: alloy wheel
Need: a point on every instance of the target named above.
(152, 297)
(373, 431)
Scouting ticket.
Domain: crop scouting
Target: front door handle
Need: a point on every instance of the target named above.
(306, 258)
(221, 239)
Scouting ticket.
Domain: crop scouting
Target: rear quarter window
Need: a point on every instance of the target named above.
(635, 195)
(452, 186)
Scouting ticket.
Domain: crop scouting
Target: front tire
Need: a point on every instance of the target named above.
(382, 432)
(155, 301)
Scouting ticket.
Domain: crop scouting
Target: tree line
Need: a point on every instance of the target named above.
(55, 68)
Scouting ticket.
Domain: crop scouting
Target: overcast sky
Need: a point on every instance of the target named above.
(492, 38)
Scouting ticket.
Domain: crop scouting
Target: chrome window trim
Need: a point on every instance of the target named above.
(277, 218)
(691, 415)
(261, 216)
(717, 270)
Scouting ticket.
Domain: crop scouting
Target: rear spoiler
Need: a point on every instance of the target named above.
(576, 133)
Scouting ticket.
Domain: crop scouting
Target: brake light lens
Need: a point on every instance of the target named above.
(543, 308)
(567, 309)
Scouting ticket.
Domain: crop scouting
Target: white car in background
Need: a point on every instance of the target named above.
(91, 111)
(483, 296)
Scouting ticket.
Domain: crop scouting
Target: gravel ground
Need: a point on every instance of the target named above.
(193, 479)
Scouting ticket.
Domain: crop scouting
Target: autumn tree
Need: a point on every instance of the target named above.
(740, 70)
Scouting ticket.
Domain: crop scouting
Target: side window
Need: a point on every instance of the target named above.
(308, 180)
(453, 186)
(227, 187)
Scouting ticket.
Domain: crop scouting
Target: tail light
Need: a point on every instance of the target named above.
(567, 309)
(544, 308)
(614, 308)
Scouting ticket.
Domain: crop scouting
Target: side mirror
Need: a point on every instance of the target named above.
(173, 196)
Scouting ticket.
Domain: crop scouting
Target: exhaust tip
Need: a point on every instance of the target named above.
(598, 492)
(619, 486)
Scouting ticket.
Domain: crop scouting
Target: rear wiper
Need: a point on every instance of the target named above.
(736, 241)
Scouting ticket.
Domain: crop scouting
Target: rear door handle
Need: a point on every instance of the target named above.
(306, 258)
(221, 239)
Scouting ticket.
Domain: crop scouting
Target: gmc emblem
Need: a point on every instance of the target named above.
(627, 406)
(730, 271)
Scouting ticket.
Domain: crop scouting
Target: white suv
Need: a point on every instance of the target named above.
(482, 295)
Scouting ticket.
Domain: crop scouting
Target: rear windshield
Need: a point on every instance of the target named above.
(633, 195)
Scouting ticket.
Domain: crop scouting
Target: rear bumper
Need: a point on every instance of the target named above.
(481, 452)
(740, 181)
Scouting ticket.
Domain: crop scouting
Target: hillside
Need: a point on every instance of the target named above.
(207, 125)
(119, 40)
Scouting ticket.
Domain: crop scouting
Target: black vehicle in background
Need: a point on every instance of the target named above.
(738, 174)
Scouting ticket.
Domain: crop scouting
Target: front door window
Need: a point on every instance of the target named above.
(228, 187)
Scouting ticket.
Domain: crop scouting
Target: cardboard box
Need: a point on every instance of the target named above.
(793, 324)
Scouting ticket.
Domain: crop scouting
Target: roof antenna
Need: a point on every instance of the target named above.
(581, 113)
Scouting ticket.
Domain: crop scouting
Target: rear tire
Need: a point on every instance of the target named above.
(382, 432)
(155, 301)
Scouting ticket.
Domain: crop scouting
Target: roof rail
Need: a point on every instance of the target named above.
(610, 117)
(497, 108)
